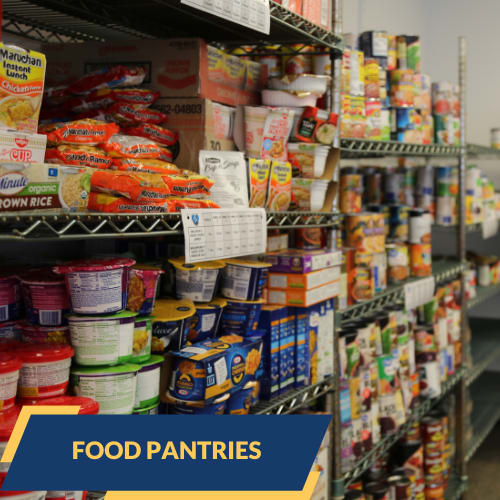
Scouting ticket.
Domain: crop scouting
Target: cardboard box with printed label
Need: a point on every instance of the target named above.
(178, 67)
(303, 298)
(16, 146)
(303, 281)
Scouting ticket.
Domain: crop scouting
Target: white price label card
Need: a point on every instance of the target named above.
(419, 292)
(489, 227)
(211, 234)
(253, 14)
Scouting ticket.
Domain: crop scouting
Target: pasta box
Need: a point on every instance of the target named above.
(303, 261)
(287, 350)
(305, 281)
(207, 369)
(303, 298)
(302, 355)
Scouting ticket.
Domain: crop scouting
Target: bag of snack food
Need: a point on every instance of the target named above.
(131, 146)
(136, 97)
(80, 155)
(88, 132)
(128, 115)
(156, 133)
(98, 99)
(147, 166)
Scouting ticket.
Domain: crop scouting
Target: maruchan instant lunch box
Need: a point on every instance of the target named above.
(198, 281)
(142, 288)
(171, 322)
(97, 286)
(205, 322)
(148, 382)
(45, 297)
(244, 279)
(113, 387)
(88, 406)
(178, 407)
(45, 370)
(102, 340)
(10, 297)
(143, 332)
(241, 316)
(36, 334)
(239, 403)
(10, 364)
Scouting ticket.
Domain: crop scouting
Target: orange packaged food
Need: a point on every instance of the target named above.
(280, 186)
(144, 165)
(259, 178)
(156, 133)
(87, 131)
(136, 97)
(130, 146)
(188, 184)
(127, 114)
(168, 155)
(98, 99)
(69, 154)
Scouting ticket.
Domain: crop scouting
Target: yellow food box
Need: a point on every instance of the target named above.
(301, 297)
(306, 281)
(280, 186)
(258, 177)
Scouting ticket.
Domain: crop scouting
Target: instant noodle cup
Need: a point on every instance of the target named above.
(9, 330)
(142, 288)
(309, 194)
(205, 322)
(241, 316)
(97, 286)
(148, 382)
(143, 332)
(244, 279)
(113, 387)
(150, 410)
(36, 334)
(198, 281)
(178, 407)
(88, 406)
(308, 160)
(10, 364)
(102, 340)
(10, 297)
(45, 370)
(239, 403)
(8, 419)
(171, 322)
(45, 297)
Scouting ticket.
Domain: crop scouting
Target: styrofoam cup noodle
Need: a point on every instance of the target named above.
(10, 297)
(281, 98)
(10, 365)
(317, 84)
(255, 119)
(97, 286)
(310, 159)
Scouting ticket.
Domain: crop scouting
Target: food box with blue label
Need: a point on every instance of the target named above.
(287, 350)
(302, 357)
(325, 339)
(313, 328)
(212, 367)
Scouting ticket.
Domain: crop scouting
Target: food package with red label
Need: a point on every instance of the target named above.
(147, 166)
(156, 133)
(88, 132)
(128, 115)
(129, 146)
(316, 125)
(70, 154)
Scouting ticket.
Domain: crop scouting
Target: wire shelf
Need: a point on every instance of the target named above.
(483, 293)
(441, 270)
(363, 148)
(456, 488)
(295, 399)
(479, 150)
(485, 346)
(388, 442)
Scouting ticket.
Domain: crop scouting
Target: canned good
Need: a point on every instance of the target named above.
(346, 452)
(433, 466)
(434, 491)
(419, 226)
(421, 259)
(432, 434)
(298, 64)
(350, 190)
(403, 489)
(384, 210)
(430, 379)
(398, 219)
(397, 262)
(495, 138)
(401, 52)
(393, 186)
(373, 186)
(379, 272)
(376, 491)
(446, 210)
(359, 230)
(425, 188)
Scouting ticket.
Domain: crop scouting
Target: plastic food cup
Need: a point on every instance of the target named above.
(301, 83)
(10, 297)
(45, 297)
(244, 279)
(143, 332)
(308, 160)
(197, 282)
(113, 387)
(286, 99)
(171, 322)
(239, 403)
(178, 407)
(142, 288)
(97, 286)
(35, 334)
(241, 316)
(88, 406)
(8, 420)
(10, 364)
(150, 410)
(45, 370)
(102, 340)
(255, 120)
(148, 382)
(205, 322)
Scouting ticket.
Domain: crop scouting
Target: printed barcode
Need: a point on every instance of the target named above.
(241, 291)
(50, 318)
(187, 286)
(3, 313)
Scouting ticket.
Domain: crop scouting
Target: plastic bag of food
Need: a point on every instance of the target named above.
(88, 132)
(69, 154)
(136, 97)
(128, 115)
(316, 125)
(169, 154)
(188, 184)
(130, 146)
(145, 166)
(98, 99)
(156, 133)
(108, 77)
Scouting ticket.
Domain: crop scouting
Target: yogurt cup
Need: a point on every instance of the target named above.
(239, 403)
(241, 316)
(301, 83)
(178, 407)
(171, 322)
(308, 160)
(23, 495)
(10, 297)
(45, 370)
(10, 364)
(150, 410)
(113, 387)
(45, 297)
(197, 282)
(143, 332)
(148, 382)
(88, 406)
(142, 288)
(102, 340)
(35, 334)
(244, 279)
(97, 286)
(8, 420)
(9, 330)
(206, 321)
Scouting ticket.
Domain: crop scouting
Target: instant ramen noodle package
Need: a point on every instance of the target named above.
(21, 90)
(139, 98)
(98, 99)
(88, 132)
(127, 114)
(156, 133)
(70, 154)
(43, 187)
(279, 192)
(129, 146)
(144, 165)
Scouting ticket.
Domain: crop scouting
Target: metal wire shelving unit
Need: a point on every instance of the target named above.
(476, 150)
(483, 293)
(485, 346)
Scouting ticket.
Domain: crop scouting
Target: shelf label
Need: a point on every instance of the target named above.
(211, 234)
(253, 14)
(419, 292)
(489, 227)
